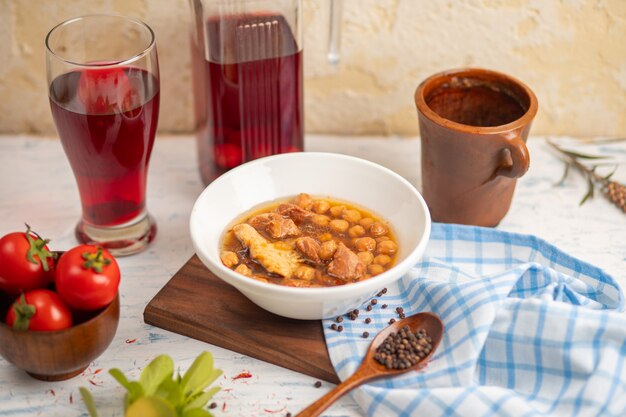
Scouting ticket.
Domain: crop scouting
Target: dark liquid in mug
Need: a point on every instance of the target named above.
(475, 105)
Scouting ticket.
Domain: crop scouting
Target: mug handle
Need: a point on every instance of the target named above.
(514, 157)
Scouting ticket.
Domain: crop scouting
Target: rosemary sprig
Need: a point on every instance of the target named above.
(613, 190)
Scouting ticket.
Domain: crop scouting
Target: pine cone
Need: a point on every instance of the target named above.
(616, 192)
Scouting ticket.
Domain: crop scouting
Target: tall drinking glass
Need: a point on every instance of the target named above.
(103, 78)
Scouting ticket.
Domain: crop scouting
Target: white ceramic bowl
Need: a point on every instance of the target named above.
(320, 174)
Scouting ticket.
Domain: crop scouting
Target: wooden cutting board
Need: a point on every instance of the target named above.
(197, 304)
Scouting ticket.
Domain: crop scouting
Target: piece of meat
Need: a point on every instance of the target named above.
(309, 248)
(277, 258)
(296, 213)
(275, 225)
(346, 265)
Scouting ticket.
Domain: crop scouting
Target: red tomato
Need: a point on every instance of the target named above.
(87, 277)
(39, 310)
(21, 266)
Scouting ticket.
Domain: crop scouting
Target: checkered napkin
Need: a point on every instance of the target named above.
(529, 331)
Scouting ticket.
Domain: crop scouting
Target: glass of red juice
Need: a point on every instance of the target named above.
(103, 79)
(247, 74)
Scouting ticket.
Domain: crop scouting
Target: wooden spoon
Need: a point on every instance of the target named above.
(372, 369)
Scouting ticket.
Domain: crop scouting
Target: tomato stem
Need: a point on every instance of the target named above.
(23, 313)
(96, 261)
(37, 248)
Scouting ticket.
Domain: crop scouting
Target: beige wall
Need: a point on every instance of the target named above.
(571, 52)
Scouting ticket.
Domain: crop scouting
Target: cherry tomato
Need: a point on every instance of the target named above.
(21, 266)
(39, 310)
(87, 277)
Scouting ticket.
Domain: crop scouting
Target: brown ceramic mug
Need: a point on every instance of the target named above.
(473, 127)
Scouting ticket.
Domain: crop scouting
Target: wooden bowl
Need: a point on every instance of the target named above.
(62, 354)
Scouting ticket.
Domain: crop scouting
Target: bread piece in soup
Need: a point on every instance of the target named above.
(275, 258)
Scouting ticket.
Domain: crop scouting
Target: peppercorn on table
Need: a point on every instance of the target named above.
(38, 187)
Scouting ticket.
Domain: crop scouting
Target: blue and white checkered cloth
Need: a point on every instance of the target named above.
(529, 331)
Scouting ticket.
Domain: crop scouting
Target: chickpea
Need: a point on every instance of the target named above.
(365, 244)
(339, 225)
(325, 237)
(305, 272)
(366, 222)
(304, 200)
(382, 238)
(327, 249)
(356, 231)
(366, 257)
(387, 247)
(320, 220)
(243, 270)
(375, 269)
(352, 216)
(382, 260)
(336, 211)
(378, 229)
(321, 206)
(229, 258)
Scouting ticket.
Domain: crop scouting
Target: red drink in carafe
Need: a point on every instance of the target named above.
(248, 92)
(106, 119)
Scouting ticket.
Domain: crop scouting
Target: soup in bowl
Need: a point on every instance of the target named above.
(265, 228)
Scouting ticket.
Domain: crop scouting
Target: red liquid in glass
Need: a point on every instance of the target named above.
(249, 97)
(106, 119)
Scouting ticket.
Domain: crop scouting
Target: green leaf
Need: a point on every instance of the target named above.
(197, 412)
(582, 155)
(610, 174)
(150, 407)
(161, 368)
(589, 192)
(171, 392)
(199, 375)
(120, 377)
(134, 393)
(564, 176)
(200, 400)
(89, 402)
(134, 388)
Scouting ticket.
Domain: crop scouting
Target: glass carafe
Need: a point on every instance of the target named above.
(247, 79)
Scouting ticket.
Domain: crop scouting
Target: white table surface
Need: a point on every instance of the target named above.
(37, 186)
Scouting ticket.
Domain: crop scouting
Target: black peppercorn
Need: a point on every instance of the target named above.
(403, 349)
